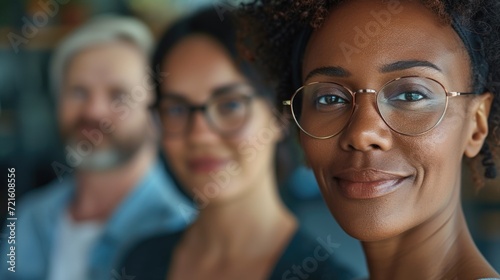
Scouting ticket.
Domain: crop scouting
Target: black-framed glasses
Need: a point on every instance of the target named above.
(227, 110)
(410, 105)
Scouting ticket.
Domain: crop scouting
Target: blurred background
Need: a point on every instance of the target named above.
(29, 139)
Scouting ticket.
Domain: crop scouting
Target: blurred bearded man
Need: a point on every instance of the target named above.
(112, 190)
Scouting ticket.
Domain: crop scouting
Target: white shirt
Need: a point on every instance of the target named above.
(72, 245)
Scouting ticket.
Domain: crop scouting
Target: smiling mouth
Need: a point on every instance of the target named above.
(206, 164)
(368, 184)
(367, 190)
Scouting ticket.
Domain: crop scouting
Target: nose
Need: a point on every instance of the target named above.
(96, 107)
(199, 130)
(366, 130)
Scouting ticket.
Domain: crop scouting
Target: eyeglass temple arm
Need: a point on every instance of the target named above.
(454, 93)
(287, 103)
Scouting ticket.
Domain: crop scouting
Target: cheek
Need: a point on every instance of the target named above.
(254, 148)
(438, 158)
(68, 114)
(174, 149)
(132, 121)
(320, 156)
(318, 153)
(250, 150)
(442, 149)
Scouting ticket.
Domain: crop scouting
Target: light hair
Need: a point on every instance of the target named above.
(100, 30)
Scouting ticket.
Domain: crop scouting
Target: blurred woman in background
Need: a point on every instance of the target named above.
(220, 137)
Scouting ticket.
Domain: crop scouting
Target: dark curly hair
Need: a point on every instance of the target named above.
(270, 29)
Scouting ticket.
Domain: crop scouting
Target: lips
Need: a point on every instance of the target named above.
(368, 183)
(206, 164)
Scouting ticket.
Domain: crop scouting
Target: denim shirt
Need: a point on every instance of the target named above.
(152, 207)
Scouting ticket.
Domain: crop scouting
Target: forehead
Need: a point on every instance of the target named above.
(196, 66)
(362, 36)
(110, 62)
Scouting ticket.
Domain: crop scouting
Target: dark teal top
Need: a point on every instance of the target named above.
(304, 258)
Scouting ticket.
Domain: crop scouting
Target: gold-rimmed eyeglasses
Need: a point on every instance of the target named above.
(410, 105)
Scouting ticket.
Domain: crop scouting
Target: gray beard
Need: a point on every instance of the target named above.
(116, 155)
(103, 160)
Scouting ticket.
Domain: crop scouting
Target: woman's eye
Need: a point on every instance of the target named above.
(230, 106)
(330, 99)
(410, 96)
(174, 110)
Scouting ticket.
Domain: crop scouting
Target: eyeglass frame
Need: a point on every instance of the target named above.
(203, 109)
(289, 102)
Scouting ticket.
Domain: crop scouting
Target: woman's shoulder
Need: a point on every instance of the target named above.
(312, 258)
(150, 258)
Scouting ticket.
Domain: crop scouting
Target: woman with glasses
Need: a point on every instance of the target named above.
(220, 137)
(389, 97)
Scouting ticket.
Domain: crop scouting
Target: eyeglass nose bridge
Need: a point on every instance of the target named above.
(364, 90)
(201, 108)
(367, 90)
(355, 105)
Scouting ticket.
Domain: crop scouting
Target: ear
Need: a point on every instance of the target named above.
(480, 113)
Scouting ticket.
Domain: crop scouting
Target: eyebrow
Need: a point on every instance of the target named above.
(226, 88)
(407, 64)
(337, 71)
(171, 94)
(332, 71)
(215, 92)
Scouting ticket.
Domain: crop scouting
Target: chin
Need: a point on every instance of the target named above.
(208, 192)
(102, 160)
(367, 234)
(369, 223)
